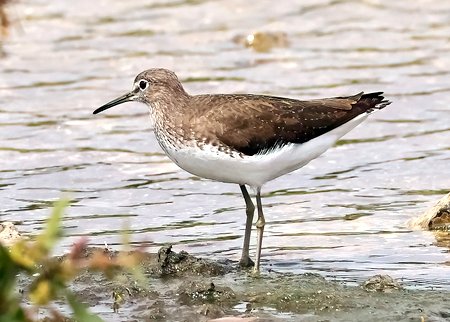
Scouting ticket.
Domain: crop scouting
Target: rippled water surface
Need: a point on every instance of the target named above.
(343, 215)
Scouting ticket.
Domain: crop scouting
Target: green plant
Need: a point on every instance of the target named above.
(51, 276)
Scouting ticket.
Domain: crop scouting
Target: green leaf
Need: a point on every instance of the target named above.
(8, 271)
(53, 229)
(15, 314)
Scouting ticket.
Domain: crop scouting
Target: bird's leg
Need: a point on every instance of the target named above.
(249, 210)
(259, 229)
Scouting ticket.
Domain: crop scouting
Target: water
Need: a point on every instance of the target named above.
(344, 215)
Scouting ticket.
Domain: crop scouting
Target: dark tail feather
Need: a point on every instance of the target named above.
(373, 101)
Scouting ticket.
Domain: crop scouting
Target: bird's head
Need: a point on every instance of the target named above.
(155, 85)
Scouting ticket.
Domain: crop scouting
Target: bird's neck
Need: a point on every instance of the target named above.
(169, 111)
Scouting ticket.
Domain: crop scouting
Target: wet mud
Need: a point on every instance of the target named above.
(181, 287)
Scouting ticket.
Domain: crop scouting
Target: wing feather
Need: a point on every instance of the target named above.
(254, 124)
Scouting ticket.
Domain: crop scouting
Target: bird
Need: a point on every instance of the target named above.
(245, 139)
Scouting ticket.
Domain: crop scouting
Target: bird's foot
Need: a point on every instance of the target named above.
(246, 262)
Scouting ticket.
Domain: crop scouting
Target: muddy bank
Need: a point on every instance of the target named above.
(181, 287)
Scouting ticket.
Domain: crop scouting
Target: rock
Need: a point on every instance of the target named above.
(263, 41)
(235, 319)
(4, 19)
(183, 263)
(200, 292)
(381, 283)
(8, 233)
(436, 218)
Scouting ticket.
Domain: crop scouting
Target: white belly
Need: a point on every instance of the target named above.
(258, 169)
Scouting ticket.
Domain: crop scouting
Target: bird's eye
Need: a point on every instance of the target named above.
(143, 84)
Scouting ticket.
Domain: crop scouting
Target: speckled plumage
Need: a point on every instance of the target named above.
(245, 123)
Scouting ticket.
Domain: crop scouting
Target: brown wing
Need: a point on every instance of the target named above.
(253, 124)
